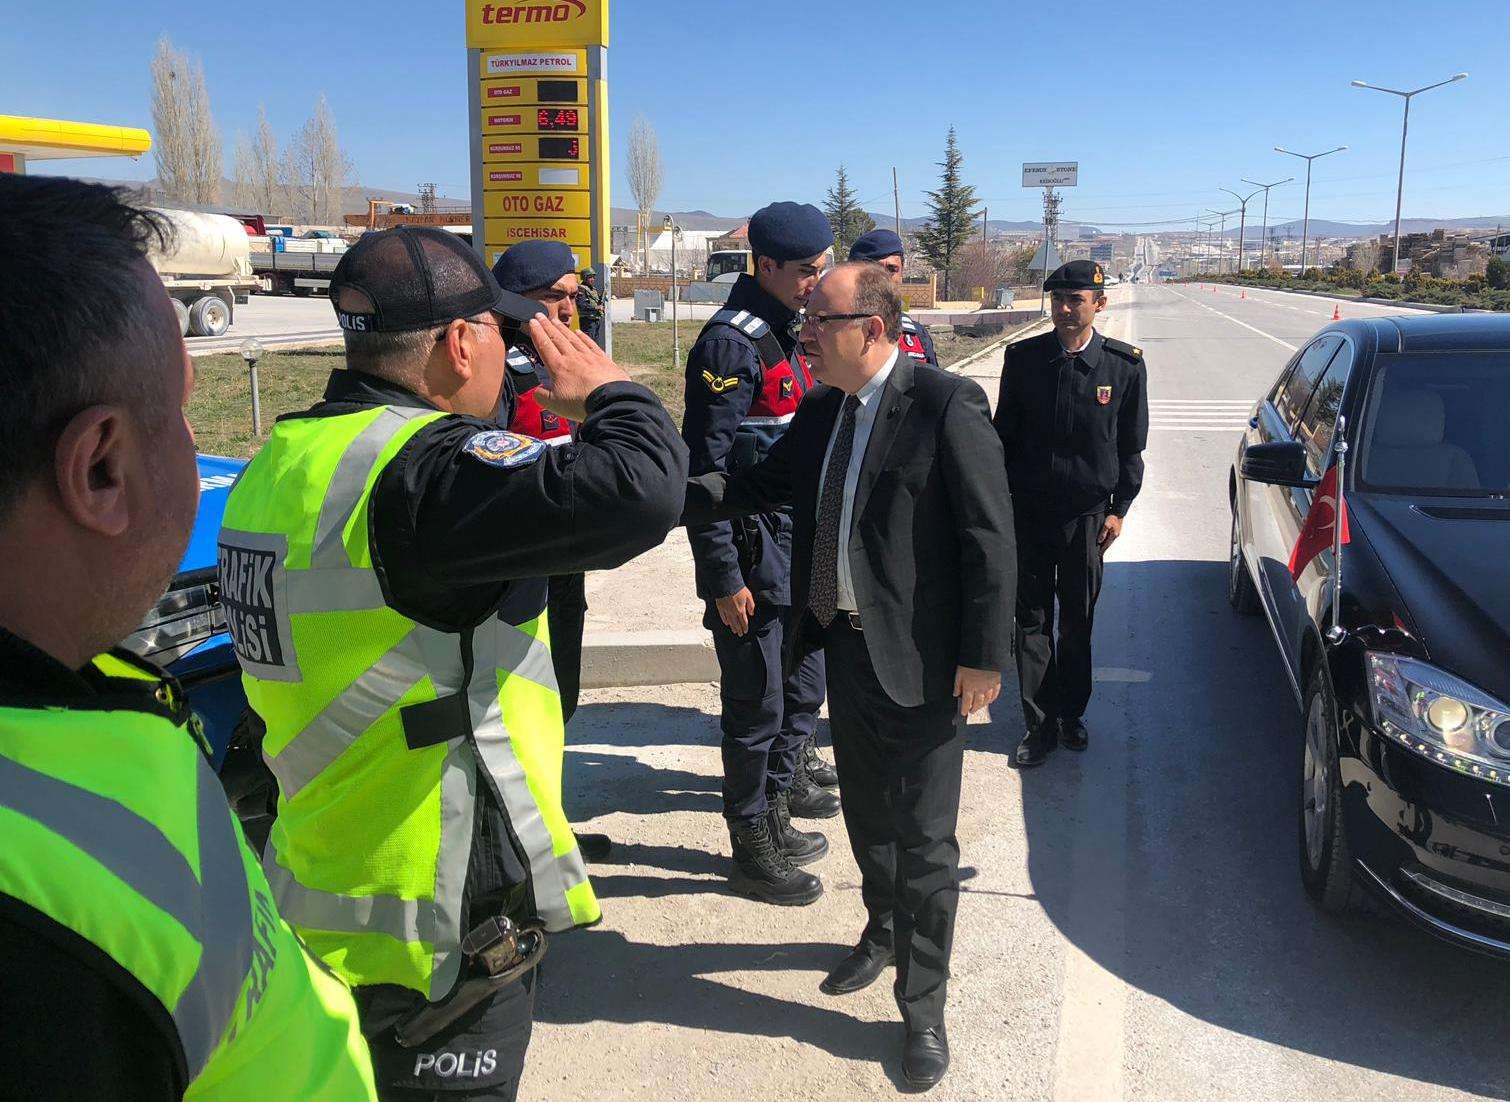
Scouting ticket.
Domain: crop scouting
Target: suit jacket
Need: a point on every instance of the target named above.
(931, 551)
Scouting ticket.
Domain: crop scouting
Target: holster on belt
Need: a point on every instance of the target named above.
(494, 954)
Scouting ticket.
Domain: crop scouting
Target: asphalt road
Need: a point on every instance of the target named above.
(1132, 924)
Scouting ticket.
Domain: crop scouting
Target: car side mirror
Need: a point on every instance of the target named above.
(1280, 463)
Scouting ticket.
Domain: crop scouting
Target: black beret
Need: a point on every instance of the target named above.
(1077, 275)
(876, 245)
(533, 265)
(790, 231)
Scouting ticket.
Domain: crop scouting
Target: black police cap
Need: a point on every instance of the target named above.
(1077, 275)
(417, 277)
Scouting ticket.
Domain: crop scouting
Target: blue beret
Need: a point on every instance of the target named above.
(790, 231)
(876, 245)
(532, 265)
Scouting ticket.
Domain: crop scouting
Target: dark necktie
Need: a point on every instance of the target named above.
(823, 595)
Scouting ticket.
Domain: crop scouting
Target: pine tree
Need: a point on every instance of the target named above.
(845, 217)
(952, 213)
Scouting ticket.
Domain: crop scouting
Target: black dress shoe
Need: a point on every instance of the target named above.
(594, 847)
(859, 970)
(1033, 749)
(1073, 735)
(925, 1057)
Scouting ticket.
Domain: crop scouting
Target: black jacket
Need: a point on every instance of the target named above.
(932, 551)
(1073, 427)
(755, 552)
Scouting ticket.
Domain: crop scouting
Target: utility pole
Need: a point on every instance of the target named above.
(1221, 251)
(1263, 241)
(1404, 130)
(1242, 230)
(985, 214)
(427, 198)
(896, 198)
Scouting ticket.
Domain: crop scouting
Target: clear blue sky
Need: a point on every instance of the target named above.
(1160, 103)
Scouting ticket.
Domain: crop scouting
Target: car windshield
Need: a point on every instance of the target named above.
(1435, 424)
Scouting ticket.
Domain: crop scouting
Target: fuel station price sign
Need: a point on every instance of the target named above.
(540, 127)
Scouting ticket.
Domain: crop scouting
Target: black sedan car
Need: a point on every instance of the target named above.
(1395, 631)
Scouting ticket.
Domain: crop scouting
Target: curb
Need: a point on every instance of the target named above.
(625, 658)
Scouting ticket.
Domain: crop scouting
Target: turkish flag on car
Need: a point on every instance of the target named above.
(1317, 533)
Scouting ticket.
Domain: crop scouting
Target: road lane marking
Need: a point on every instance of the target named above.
(1236, 321)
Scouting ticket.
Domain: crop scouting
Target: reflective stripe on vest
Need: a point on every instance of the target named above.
(254, 1017)
(335, 895)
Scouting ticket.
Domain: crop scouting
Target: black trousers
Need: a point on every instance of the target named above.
(899, 783)
(481, 1056)
(1058, 562)
(566, 612)
(766, 718)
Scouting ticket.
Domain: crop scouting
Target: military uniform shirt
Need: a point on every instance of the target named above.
(1073, 425)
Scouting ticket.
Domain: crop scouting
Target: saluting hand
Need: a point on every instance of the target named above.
(976, 689)
(575, 364)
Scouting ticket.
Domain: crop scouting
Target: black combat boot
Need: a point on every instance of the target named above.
(807, 800)
(823, 774)
(763, 870)
(802, 847)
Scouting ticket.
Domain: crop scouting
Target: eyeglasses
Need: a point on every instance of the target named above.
(490, 324)
(824, 319)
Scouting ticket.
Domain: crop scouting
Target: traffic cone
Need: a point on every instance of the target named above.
(1337, 313)
(1244, 294)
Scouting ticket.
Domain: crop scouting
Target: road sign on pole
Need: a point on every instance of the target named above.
(1050, 173)
(537, 74)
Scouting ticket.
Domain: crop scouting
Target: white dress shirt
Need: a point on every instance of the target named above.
(869, 397)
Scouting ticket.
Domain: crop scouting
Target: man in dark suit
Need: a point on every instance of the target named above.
(903, 568)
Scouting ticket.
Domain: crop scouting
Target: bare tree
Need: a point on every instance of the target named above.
(261, 184)
(186, 145)
(645, 172)
(319, 168)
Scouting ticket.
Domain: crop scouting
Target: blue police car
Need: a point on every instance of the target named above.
(186, 634)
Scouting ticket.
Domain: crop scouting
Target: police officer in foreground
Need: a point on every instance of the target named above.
(383, 563)
(745, 377)
(141, 953)
(591, 305)
(1073, 419)
(885, 248)
(544, 271)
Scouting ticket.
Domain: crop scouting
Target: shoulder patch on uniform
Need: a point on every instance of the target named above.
(720, 384)
(908, 324)
(499, 448)
(1122, 348)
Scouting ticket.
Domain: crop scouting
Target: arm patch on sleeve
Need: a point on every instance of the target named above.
(498, 448)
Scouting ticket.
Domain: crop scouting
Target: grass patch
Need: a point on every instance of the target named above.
(221, 407)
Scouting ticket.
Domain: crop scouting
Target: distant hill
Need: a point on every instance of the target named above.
(1321, 227)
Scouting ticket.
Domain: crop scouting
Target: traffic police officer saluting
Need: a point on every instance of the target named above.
(544, 271)
(1073, 420)
(383, 565)
(745, 378)
(885, 248)
(142, 955)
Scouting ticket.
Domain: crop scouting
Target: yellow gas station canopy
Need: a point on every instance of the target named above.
(49, 139)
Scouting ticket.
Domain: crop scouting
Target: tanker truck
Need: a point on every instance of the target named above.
(206, 268)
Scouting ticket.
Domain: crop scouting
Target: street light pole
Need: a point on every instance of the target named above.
(1263, 244)
(1305, 230)
(1242, 229)
(1404, 130)
(676, 333)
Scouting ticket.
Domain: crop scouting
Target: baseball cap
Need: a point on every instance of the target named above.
(417, 277)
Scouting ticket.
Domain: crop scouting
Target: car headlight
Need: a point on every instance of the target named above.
(186, 616)
(1440, 716)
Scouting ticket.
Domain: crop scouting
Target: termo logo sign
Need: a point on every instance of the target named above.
(522, 11)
